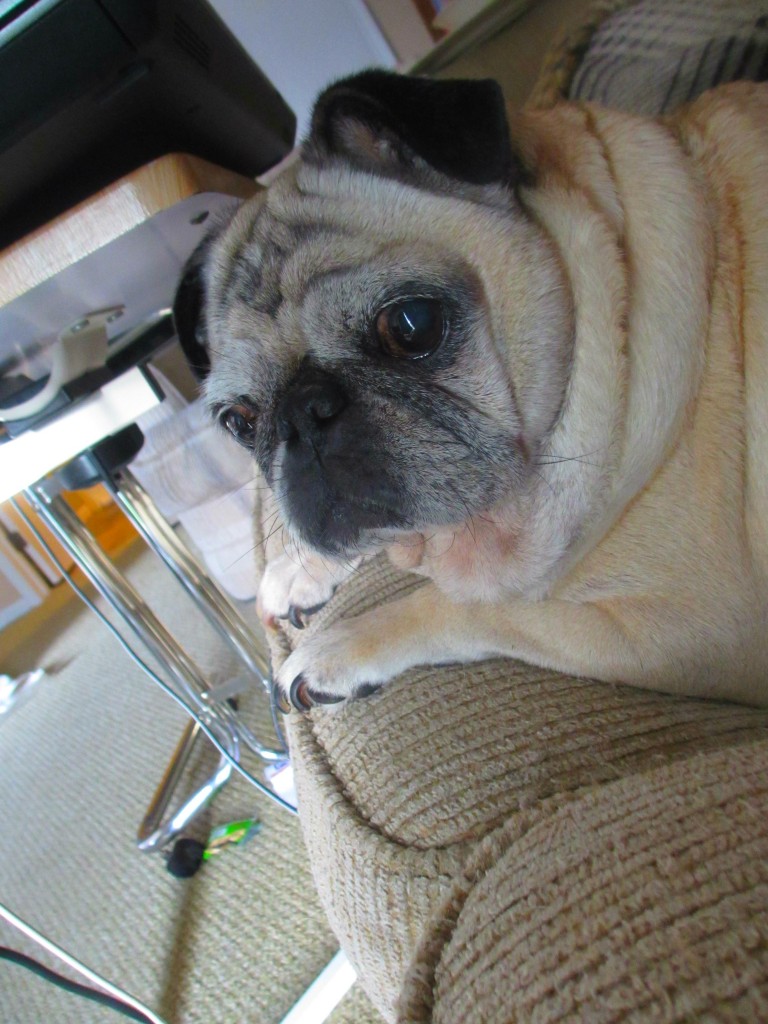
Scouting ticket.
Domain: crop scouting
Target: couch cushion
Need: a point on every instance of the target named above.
(643, 899)
(398, 791)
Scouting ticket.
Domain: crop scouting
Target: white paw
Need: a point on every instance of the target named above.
(344, 661)
(293, 587)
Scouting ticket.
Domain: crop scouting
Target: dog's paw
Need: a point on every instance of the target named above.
(295, 588)
(343, 662)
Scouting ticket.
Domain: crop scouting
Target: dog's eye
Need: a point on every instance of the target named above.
(410, 328)
(240, 421)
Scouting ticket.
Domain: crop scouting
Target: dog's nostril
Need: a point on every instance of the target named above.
(308, 407)
(323, 402)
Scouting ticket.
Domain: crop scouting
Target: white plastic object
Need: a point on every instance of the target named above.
(81, 347)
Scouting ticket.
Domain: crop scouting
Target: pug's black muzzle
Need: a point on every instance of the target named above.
(334, 479)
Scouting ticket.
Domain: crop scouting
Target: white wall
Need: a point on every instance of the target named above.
(302, 45)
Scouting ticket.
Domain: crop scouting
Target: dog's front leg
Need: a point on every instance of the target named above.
(297, 584)
(355, 656)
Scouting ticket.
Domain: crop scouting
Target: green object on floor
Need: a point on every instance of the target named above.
(232, 834)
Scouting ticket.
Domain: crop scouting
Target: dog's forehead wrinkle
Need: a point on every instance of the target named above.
(336, 177)
(382, 216)
(250, 259)
(318, 255)
(220, 266)
(295, 215)
(351, 284)
(365, 272)
(245, 370)
(369, 200)
(245, 277)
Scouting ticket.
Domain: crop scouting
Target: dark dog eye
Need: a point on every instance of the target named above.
(410, 328)
(240, 421)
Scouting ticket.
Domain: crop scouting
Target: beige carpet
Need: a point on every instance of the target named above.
(238, 942)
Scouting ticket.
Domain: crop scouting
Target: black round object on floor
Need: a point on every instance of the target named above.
(185, 858)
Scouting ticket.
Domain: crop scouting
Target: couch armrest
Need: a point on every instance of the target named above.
(642, 899)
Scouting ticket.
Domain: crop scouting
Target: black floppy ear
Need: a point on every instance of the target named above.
(381, 121)
(189, 306)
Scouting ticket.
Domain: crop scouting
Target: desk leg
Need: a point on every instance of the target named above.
(158, 533)
(137, 614)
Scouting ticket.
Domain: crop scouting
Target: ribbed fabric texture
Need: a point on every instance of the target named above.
(400, 795)
(469, 800)
(642, 900)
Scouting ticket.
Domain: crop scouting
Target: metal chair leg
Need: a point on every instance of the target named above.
(160, 535)
(139, 617)
(152, 833)
(162, 538)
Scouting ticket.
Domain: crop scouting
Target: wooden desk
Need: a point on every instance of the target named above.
(125, 246)
(125, 204)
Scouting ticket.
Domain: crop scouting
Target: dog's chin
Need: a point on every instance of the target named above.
(340, 525)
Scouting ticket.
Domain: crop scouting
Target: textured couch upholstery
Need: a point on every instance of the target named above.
(496, 843)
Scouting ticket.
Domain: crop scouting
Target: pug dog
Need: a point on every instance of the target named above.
(525, 353)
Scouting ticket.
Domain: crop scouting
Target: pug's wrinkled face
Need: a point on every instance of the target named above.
(390, 347)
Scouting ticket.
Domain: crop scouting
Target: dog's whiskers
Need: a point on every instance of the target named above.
(553, 459)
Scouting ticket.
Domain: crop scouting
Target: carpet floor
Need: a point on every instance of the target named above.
(238, 942)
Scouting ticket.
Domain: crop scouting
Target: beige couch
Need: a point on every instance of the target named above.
(497, 843)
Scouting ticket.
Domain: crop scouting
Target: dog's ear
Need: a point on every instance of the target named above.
(189, 314)
(189, 304)
(387, 122)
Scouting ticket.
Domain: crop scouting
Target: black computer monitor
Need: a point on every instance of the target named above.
(91, 89)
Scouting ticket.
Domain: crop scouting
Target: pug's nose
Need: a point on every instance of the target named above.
(309, 406)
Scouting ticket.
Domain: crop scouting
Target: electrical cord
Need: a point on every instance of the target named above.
(15, 957)
(124, 999)
(205, 728)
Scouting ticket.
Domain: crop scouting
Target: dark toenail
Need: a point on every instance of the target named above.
(323, 698)
(294, 617)
(367, 690)
(303, 698)
(299, 694)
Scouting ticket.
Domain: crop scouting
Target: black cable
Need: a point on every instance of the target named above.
(15, 957)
